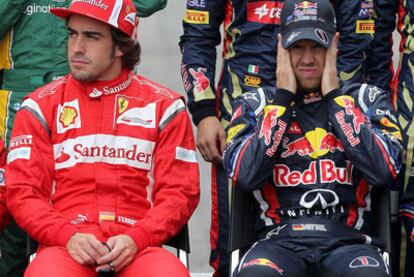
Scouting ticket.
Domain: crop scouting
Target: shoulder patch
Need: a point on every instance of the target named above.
(156, 88)
(51, 88)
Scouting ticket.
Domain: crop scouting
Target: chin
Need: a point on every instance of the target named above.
(309, 89)
(82, 76)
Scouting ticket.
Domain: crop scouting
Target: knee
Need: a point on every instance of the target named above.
(263, 269)
(367, 271)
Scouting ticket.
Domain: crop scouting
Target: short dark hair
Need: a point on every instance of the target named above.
(128, 46)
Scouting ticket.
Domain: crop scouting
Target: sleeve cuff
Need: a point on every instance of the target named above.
(332, 94)
(140, 237)
(65, 233)
(203, 112)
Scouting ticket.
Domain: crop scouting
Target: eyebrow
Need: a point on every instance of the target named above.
(89, 33)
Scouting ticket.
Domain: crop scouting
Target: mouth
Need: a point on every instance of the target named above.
(78, 62)
(308, 72)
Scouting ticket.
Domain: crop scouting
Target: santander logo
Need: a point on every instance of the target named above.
(104, 148)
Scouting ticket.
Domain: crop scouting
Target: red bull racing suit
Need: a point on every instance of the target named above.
(313, 161)
(107, 158)
(249, 51)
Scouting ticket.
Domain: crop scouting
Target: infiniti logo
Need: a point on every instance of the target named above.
(322, 35)
(322, 198)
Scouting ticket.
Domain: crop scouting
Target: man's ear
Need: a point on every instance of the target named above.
(118, 52)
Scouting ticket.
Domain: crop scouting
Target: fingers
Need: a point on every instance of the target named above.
(85, 248)
(82, 257)
(329, 78)
(212, 149)
(285, 77)
(211, 139)
(122, 253)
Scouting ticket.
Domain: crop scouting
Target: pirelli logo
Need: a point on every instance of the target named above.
(196, 17)
(365, 27)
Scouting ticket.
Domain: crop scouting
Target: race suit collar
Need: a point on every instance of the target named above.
(306, 97)
(100, 88)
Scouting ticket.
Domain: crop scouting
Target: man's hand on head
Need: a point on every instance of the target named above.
(330, 74)
(285, 76)
(85, 248)
(123, 252)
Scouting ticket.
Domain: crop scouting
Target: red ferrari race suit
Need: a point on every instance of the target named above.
(106, 158)
(313, 161)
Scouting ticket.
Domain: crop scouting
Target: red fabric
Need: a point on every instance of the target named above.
(121, 15)
(107, 158)
(153, 261)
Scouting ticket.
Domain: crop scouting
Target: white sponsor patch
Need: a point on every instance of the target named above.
(68, 116)
(20, 141)
(143, 117)
(20, 148)
(126, 220)
(109, 149)
(185, 155)
(131, 18)
(19, 153)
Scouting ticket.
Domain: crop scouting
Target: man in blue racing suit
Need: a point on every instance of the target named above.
(250, 31)
(312, 154)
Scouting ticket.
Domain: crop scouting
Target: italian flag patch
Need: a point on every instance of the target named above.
(253, 69)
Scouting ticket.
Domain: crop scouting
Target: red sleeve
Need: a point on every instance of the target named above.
(176, 189)
(30, 174)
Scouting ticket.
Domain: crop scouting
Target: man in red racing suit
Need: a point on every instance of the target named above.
(101, 165)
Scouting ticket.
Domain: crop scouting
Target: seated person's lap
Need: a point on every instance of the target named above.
(152, 261)
(291, 258)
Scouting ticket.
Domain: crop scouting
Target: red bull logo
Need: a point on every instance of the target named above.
(306, 5)
(331, 143)
(269, 121)
(201, 82)
(315, 143)
(347, 102)
(301, 146)
(330, 173)
(347, 128)
(263, 262)
(270, 115)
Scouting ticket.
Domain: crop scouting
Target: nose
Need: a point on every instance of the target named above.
(308, 56)
(77, 44)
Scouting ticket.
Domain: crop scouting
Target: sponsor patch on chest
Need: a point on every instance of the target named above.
(130, 112)
(116, 150)
(68, 116)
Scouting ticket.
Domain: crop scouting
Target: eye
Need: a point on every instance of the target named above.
(71, 34)
(317, 48)
(91, 36)
(296, 46)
